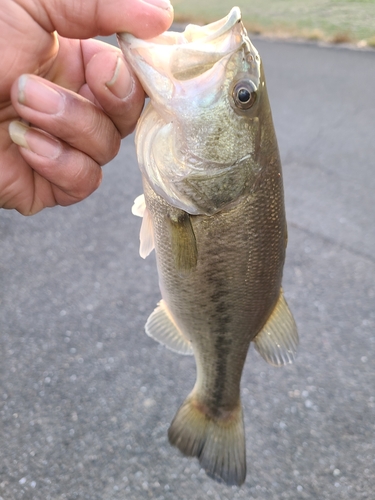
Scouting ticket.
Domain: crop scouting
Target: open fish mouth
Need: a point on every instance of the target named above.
(161, 62)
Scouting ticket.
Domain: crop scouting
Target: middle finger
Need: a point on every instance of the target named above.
(66, 115)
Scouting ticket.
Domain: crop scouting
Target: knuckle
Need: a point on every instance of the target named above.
(97, 136)
(75, 174)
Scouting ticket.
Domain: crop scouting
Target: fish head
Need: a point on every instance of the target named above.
(206, 89)
(195, 65)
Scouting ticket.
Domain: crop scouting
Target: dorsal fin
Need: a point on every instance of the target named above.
(278, 340)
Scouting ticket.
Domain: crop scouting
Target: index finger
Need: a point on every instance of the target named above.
(112, 85)
(87, 19)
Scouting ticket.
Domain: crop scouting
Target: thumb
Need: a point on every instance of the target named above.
(89, 18)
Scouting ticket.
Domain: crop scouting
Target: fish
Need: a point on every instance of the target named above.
(213, 210)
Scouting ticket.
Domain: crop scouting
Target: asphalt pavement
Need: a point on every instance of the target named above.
(86, 397)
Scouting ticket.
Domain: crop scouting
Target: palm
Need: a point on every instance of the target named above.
(94, 120)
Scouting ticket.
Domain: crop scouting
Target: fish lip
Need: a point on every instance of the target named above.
(223, 25)
(191, 34)
(168, 60)
(223, 37)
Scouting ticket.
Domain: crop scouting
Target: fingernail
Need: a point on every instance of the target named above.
(38, 96)
(121, 83)
(34, 140)
(162, 4)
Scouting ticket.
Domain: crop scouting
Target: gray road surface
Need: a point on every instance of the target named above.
(86, 397)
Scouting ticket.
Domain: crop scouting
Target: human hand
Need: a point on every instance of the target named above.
(77, 94)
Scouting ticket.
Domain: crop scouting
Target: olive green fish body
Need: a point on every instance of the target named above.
(223, 301)
(213, 209)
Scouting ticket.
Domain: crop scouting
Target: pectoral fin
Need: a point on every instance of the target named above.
(183, 242)
(161, 327)
(146, 235)
(278, 340)
(139, 206)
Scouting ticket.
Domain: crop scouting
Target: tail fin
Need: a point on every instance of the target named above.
(218, 443)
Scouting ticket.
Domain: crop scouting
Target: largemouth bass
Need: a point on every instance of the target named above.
(213, 209)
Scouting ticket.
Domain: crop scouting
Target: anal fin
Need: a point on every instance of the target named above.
(161, 327)
(278, 340)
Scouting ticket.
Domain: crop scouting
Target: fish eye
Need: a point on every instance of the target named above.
(244, 94)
